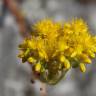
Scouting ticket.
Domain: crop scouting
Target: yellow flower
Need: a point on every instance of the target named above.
(58, 47)
(47, 28)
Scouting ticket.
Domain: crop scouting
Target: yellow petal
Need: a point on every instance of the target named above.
(38, 67)
(65, 61)
(67, 65)
(31, 44)
(90, 53)
(95, 50)
(62, 46)
(21, 55)
(82, 67)
(62, 58)
(43, 54)
(85, 58)
(31, 60)
(27, 52)
(73, 54)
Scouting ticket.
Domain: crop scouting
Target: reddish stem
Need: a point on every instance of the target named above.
(14, 9)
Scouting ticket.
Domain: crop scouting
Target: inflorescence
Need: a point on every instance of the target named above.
(54, 48)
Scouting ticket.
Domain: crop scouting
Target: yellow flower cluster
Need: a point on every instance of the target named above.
(54, 47)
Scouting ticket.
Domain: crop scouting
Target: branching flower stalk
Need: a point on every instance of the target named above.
(54, 48)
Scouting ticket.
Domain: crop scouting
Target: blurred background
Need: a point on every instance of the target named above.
(15, 76)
